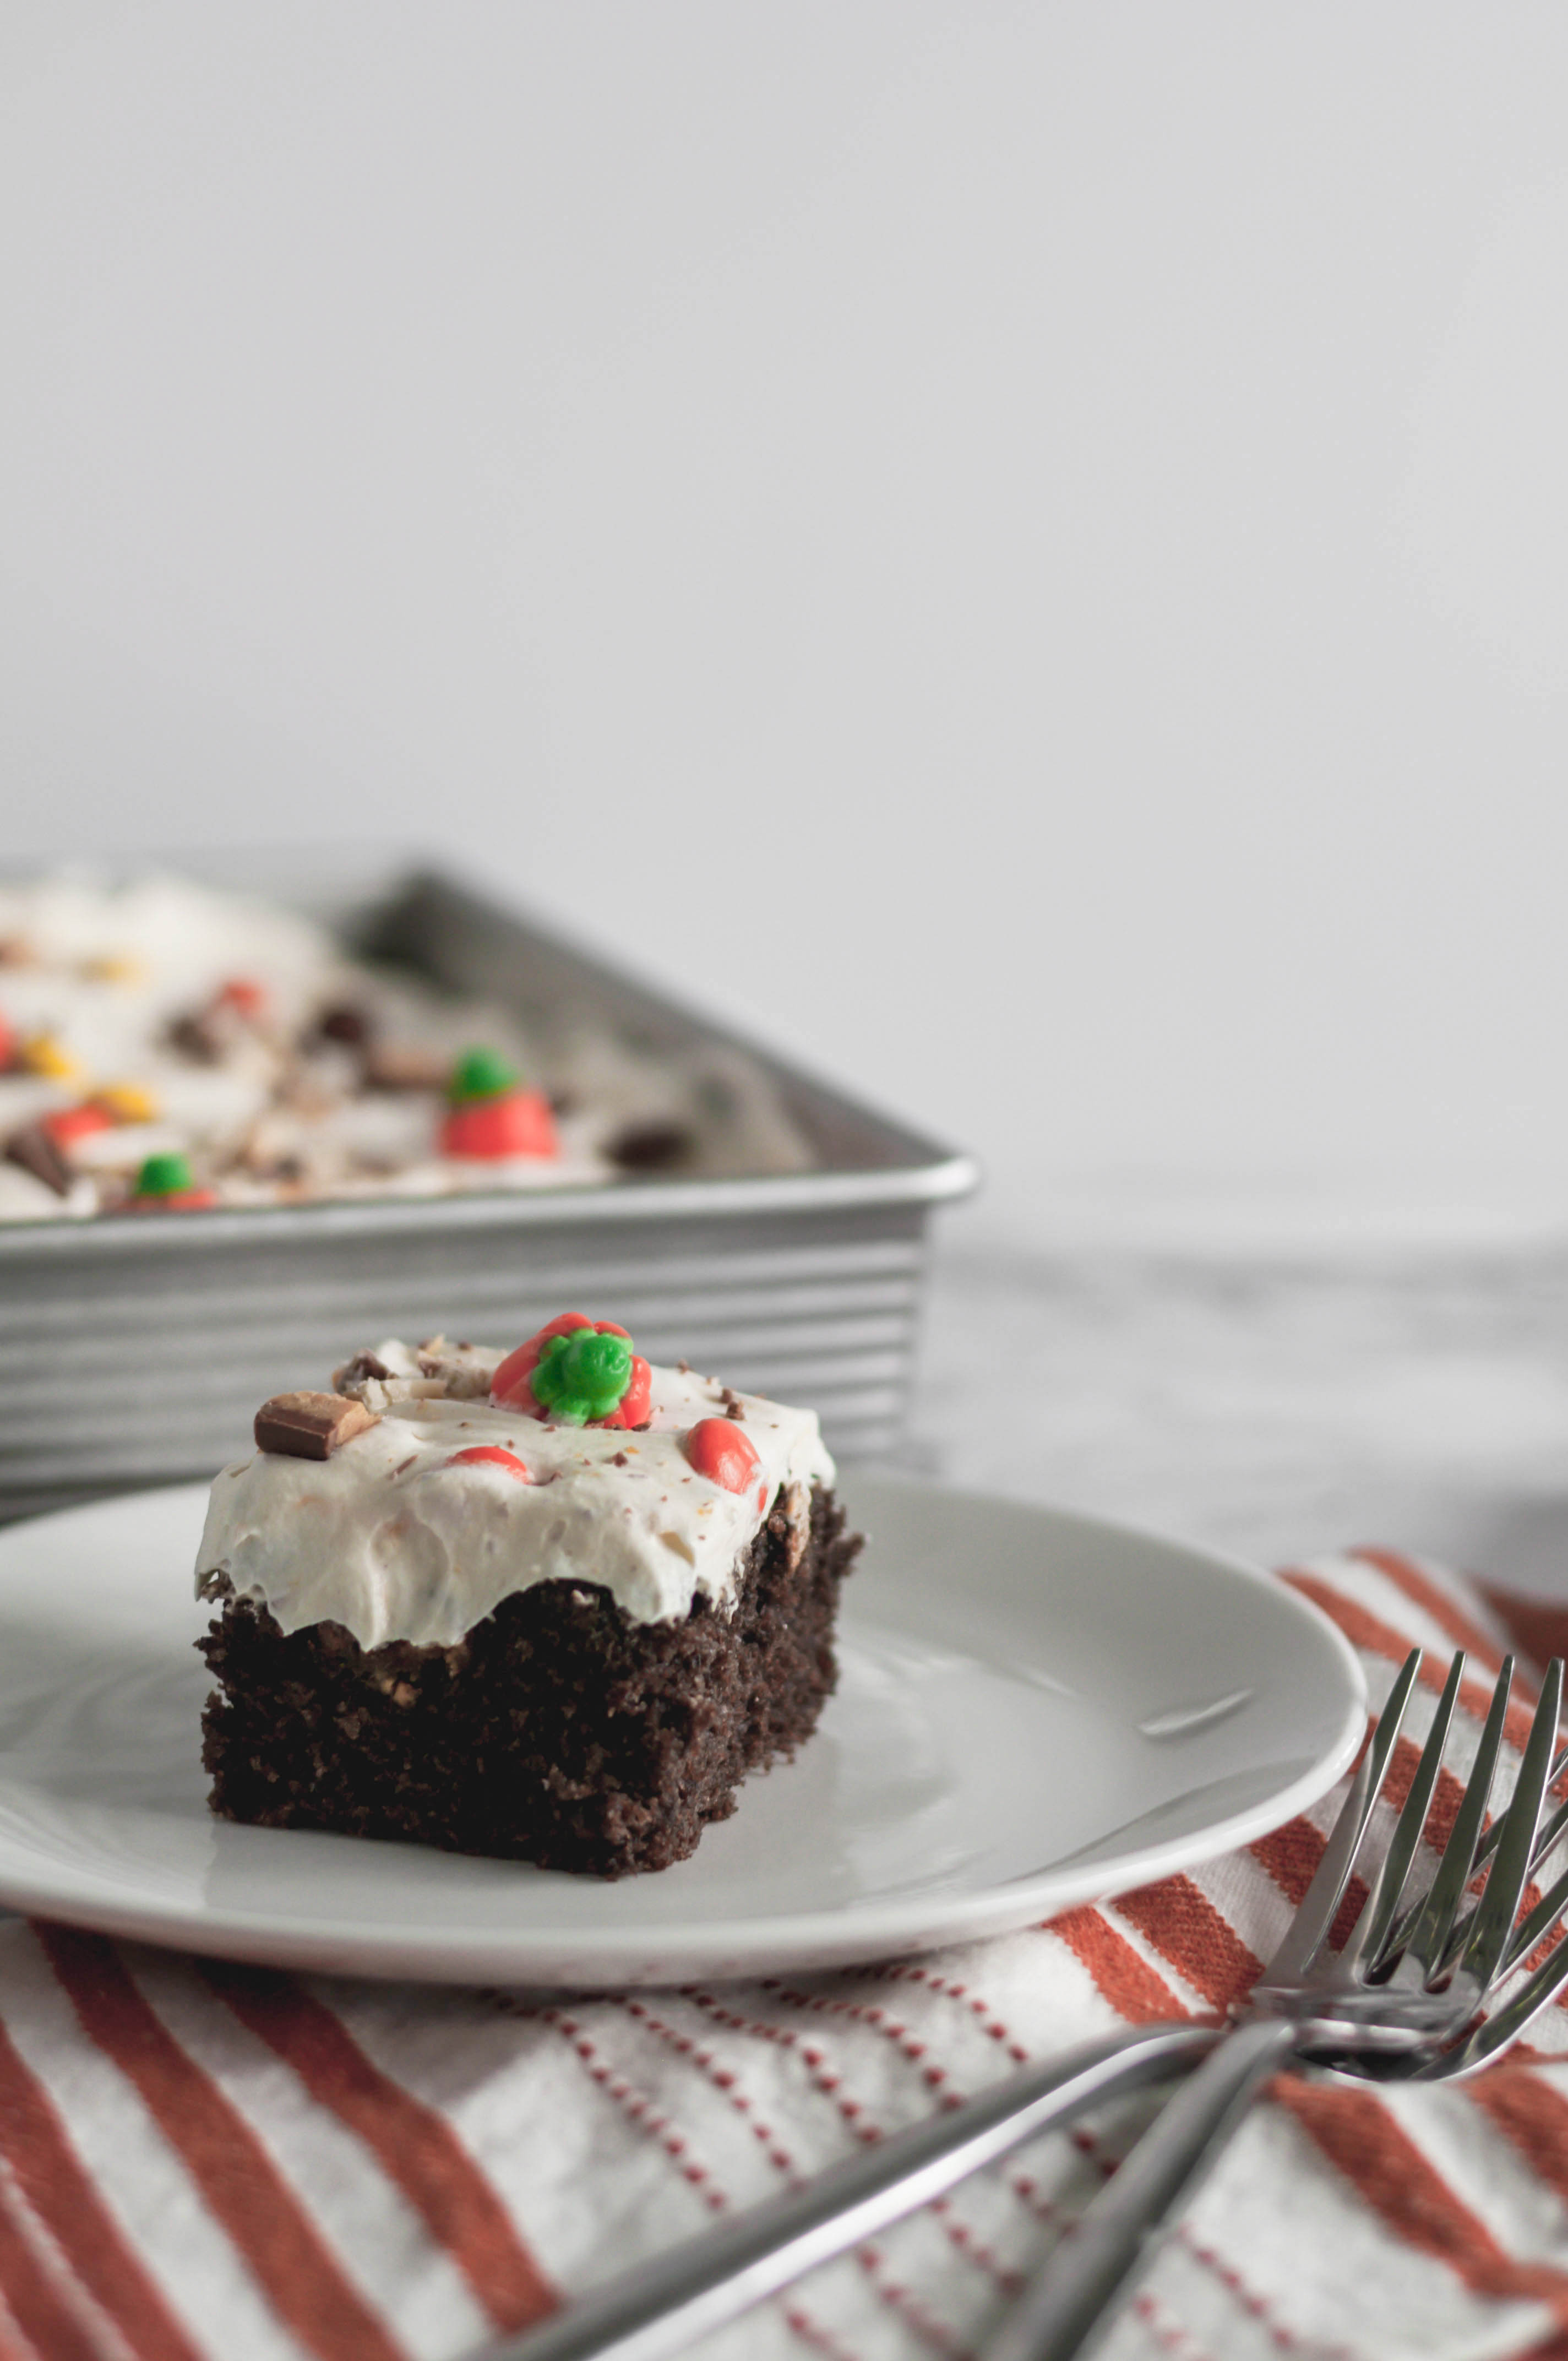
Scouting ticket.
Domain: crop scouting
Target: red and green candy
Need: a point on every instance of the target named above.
(165, 1185)
(492, 1115)
(579, 1371)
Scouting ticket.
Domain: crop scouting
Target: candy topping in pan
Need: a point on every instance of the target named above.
(165, 1185)
(493, 1115)
(49, 1059)
(66, 1124)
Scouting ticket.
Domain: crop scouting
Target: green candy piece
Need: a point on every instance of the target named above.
(164, 1176)
(582, 1376)
(481, 1074)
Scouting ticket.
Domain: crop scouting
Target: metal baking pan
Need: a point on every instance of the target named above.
(136, 1352)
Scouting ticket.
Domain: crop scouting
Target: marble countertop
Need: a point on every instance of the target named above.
(1267, 1401)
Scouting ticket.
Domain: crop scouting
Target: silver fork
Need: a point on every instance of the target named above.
(1410, 1997)
(658, 2309)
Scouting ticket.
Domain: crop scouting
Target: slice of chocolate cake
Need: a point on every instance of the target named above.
(552, 1605)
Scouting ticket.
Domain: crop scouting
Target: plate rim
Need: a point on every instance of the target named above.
(624, 1957)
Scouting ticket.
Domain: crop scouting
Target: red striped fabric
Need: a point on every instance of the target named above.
(1538, 1625)
(1388, 2169)
(1185, 1928)
(1127, 1981)
(55, 2183)
(1533, 2115)
(238, 2182)
(1433, 1600)
(415, 2147)
(50, 2316)
(1290, 1855)
(1377, 1638)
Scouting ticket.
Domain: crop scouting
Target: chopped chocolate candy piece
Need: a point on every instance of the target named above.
(302, 1094)
(363, 1365)
(733, 1406)
(33, 1149)
(394, 1066)
(347, 1023)
(309, 1426)
(650, 1147)
(198, 1038)
(267, 1155)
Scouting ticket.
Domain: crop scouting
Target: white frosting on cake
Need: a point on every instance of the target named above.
(388, 1538)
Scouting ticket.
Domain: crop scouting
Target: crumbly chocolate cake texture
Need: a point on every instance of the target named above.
(588, 1704)
(557, 1731)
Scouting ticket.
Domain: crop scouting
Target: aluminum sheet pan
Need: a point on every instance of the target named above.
(135, 1352)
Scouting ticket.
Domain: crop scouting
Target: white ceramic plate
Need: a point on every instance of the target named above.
(1035, 1708)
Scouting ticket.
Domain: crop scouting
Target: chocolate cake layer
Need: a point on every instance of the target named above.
(557, 1731)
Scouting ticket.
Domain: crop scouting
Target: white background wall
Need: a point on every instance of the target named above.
(1027, 547)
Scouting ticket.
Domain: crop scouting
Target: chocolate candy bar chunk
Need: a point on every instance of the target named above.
(650, 1147)
(309, 1426)
(396, 1066)
(36, 1153)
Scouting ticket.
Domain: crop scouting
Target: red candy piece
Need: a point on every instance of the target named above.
(490, 1454)
(719, 1450)
(74, 1122)
(511, 1388)
(244, 994)
(7, 1045)
(634, 1402)
(175, 1200)
(521, 1124)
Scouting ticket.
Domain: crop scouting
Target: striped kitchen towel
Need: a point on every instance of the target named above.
(201, 2160)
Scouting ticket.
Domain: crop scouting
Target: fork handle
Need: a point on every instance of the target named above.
(659, 2309)
(1107, 2250)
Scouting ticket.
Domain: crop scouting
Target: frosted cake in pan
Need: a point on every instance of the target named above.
(166, 1047)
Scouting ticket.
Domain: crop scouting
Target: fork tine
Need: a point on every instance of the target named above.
(1551, 1827)
(1430, 1932)
(1538, 1926)
(1505, 2024)
(1547, 1836)
(1308, 1930)
(1552, 1830)
(1371, 1929)
(1490, 1926)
